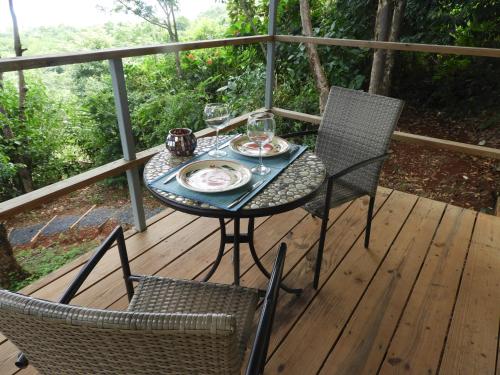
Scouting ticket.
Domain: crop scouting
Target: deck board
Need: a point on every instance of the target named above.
(429, 265)
(472, 343)
(420, 336)
(364, 341)
(319, 325)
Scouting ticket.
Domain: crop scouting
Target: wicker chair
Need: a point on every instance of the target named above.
(171, 326)
(352, 142)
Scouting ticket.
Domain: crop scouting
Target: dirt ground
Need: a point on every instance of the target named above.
(442, 175)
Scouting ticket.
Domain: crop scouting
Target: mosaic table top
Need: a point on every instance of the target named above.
(297, 181)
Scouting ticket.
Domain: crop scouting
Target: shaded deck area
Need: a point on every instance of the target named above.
(424, 299)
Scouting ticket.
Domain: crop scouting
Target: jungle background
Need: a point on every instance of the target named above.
(67, 124)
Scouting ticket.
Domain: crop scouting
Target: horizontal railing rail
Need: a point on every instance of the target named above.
(10, 64)
(465, 148)
(397, 46)
(42, 61)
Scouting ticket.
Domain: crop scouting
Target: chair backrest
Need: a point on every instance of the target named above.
(64, 339)
(356, 126)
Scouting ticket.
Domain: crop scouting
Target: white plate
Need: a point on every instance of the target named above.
(244, 146)
(213, 176)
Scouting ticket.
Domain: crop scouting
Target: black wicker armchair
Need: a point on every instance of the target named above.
(352, 142)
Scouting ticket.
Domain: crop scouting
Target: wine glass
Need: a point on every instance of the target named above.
(215, 116)
(260, 129)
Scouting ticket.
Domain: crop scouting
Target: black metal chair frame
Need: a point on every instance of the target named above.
(326, 212)
(261, 343)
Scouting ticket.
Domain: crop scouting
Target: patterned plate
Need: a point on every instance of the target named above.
(213, 176)
(244, 146)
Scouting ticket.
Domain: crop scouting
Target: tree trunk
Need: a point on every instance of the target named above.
(382, 27)
(397, 19)
(312, 52)
(24, 172)
(9, 268)
(174, 36)
(249, 16)
(1, 78)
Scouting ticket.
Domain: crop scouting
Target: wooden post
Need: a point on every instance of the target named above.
(271, 51)
(127, 141)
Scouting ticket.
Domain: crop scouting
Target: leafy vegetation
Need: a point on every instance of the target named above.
(42, 261)
(70, 117)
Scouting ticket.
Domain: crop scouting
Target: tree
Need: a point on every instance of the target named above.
(161, 13)
(24, 160)
(314, 60)
(9, 268)
(249, 15)
(387, 28)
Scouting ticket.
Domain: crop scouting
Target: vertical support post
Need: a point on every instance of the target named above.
(127, 141)
(271, 52)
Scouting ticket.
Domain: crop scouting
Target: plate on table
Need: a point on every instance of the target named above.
(244, 146)
(213, 176)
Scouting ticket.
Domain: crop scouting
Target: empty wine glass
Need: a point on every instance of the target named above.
(215, 116)
(260, 129)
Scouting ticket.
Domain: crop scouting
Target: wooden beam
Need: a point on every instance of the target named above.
(37, 234)
(299, 116)
(31, 62)
(82, 217)
(487, 152)
(410, 47)
(50, 192)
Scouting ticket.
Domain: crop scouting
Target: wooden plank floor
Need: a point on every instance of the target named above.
(424, 299)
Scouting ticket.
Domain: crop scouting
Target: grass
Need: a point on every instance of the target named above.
(41, 261)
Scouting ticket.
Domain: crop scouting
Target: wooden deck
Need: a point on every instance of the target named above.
(424, 299)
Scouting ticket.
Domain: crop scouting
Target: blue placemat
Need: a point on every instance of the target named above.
(222, 200)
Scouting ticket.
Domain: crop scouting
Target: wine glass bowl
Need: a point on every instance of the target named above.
(261, 127)
(216, 116)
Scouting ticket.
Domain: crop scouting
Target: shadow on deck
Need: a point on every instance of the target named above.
(423, 299)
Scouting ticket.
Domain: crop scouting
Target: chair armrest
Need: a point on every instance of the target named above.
(356, 166)
(261, 342)
(300, 134)
(116, 235)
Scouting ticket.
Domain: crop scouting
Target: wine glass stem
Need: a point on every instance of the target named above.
(260, 156)
(217, 141)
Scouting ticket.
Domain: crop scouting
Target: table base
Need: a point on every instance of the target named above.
(236, 239)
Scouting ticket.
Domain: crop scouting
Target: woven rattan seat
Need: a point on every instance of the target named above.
(162, 295)
(171, 326)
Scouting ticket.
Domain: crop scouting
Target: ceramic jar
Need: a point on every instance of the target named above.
(181, 141)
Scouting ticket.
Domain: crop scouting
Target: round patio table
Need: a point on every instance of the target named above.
(292, 188)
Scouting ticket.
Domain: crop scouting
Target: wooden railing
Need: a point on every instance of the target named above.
(465, 148)
(133, 160)
(31, 62)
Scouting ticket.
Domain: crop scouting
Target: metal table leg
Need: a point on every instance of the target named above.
(251, 223)
(236, 239)
(220, 254)
(236, 251)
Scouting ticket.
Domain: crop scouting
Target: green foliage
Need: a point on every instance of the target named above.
(45, 137)
(41, 261)
(457, 84)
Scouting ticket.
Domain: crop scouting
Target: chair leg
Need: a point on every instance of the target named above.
(321, 246)
(322, 236)
(369, 222)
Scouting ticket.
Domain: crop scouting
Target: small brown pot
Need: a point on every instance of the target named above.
(181, 141)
